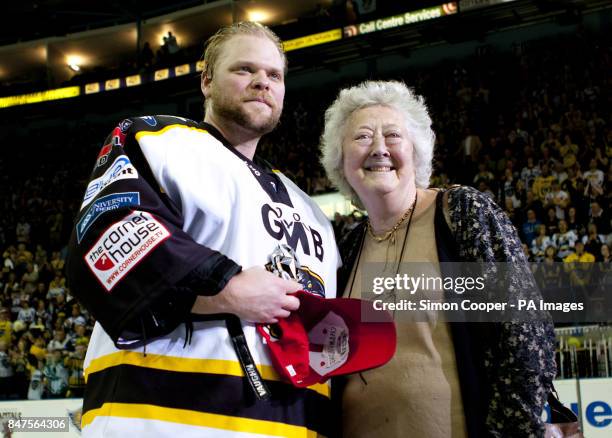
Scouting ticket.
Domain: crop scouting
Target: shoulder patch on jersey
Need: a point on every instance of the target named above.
(121, 168)
(123, 246)
(104, 204)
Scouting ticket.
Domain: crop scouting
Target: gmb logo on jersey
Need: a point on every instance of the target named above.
(291, 228)
(120, 169)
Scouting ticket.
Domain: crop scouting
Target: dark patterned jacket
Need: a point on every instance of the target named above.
(505, 369)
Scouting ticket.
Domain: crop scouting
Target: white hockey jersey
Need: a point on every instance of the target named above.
(169, 198)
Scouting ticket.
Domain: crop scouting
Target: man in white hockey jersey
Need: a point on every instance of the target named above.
(177, 222)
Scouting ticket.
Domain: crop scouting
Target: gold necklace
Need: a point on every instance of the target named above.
(391, 233)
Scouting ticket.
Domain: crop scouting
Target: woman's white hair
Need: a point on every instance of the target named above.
(392, 94)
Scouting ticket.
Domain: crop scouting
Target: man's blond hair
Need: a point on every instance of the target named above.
(214, 45)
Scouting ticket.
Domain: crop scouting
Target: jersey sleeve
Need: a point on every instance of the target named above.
(129, 262)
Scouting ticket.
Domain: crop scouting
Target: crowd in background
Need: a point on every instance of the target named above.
(530, 128)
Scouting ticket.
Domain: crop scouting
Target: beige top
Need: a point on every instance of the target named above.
(416, 394)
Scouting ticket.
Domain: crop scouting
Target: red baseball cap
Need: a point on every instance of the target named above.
(326, 338)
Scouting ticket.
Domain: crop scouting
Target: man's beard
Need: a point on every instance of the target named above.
(225, 108)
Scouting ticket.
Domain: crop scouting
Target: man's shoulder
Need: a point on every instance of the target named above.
(154, 123)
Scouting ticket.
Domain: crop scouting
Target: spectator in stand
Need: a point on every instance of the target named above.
(551, 221)
(6, 329)
(57, 263)
(74, 366)
(513, 213)
(40, 255)
(578, 265)
(551, 142)
(568, 151)
(484, 188)
(469, 147)
(57, 286)
(10, 257)
(540, 243)
(549, 272)
(11, 284)
(22, 230)
(530, 226)
(146, 56)
(594, 175)
(526, 252)
(75, 317)
(483, 175)
(600, 218)
(24, 256)
(40, 293)
(593, 240)
(59, 308)
(36, 387)
(59, 341)
(559, 172)
(56, 375)
(42, 313)
(79, 336)
(26, 313)
(532, 203)
(543, 183)
(573, 223)
(29, 278)
(565, 240)
(55, 222)
(605, 255)
(6, 371)
(502, 163)
(529, 173)
(601, 158)
(21, 366)
(37, 349)
(570, 184)
(171, 44)
(557, 198)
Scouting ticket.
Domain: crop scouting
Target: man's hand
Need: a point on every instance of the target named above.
(254, 295)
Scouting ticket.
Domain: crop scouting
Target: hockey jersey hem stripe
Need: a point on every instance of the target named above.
(194, 418)
(188, 365)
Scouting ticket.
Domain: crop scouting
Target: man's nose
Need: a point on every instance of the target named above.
(260, 80)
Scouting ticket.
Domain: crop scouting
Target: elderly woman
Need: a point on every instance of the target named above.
(446, 379)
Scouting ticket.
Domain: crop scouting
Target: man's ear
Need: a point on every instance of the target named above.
(205, 84)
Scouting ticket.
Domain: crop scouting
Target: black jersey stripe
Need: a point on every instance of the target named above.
(208, 393)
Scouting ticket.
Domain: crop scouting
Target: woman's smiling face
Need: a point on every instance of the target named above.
(378, 154)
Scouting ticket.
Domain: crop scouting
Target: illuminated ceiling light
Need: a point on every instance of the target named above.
(258, 15)
(74, 62)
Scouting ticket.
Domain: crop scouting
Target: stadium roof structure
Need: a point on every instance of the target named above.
(115, 37)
